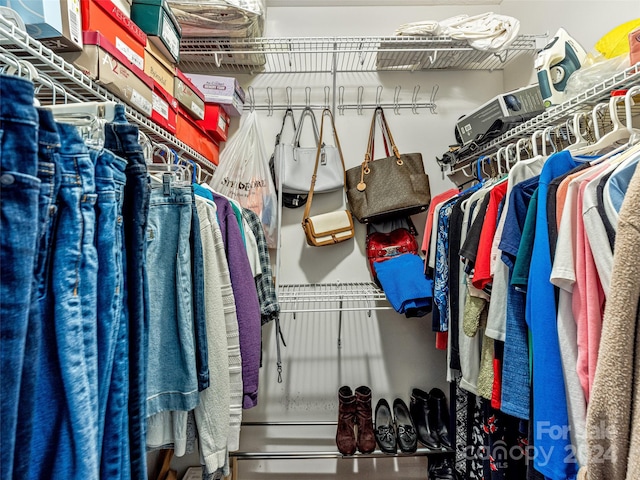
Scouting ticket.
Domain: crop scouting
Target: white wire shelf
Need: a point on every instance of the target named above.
(560, 113)
(80, 87)
(331, 297)
(343, 54)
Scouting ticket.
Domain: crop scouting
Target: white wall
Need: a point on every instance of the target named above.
(387, 352)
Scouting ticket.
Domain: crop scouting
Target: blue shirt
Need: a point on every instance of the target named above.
(551, 421)
(441, 274)
(619, 182)
(515, 367)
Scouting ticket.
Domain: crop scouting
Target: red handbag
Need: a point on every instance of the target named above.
(383, 246)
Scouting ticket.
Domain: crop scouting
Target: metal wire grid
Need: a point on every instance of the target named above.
(327, 297)
(342, 54)
(560, 113)
(80, 87)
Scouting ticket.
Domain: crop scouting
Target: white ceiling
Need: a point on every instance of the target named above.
(375, 3)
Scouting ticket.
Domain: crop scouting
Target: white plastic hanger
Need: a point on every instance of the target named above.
(619, 133)
(534, 141)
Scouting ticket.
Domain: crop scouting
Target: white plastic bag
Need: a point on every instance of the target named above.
(243, 175)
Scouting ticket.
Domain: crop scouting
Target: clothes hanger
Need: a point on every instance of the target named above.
(618, 133)
(546, 137)
(534, 141)
(512, 149)
(580, 141)
(634, 133)
(520, 146)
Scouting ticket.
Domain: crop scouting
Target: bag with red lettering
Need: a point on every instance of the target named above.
(243, 175)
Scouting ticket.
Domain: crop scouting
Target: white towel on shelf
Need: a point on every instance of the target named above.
(488, 32)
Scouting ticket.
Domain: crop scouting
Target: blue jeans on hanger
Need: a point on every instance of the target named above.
(199, 316)
(113, 365)
(69, 407)
(48, 147)
(172, 382)
(19, 190)
(121, 139)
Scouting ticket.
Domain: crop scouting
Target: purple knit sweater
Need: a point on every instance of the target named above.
(246, 297)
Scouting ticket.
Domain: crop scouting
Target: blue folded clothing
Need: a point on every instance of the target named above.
(403, 281)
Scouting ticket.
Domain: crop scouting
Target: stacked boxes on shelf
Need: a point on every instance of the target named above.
(132, 48)
(103, 16)
(225, 91)
(57, 24)
(103, 62)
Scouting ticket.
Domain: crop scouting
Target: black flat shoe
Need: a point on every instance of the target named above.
(406, 431)
(419, 409)
(385, 430)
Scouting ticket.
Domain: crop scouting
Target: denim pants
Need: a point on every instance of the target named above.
(113, 381)
(19, 191)
(48, 148)
(172, 382)
(199, 315)
(121, 139)
(66, 442)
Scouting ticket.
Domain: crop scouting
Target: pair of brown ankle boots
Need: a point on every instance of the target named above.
(355, 421)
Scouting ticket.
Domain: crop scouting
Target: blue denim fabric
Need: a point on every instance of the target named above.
(112, 344)
(122, 140)
(200, 325)
(66, 444)
(172, 382)
(19, 190)
(48, 147)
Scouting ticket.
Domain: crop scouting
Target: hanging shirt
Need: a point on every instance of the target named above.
(563, 276)
(497, 318)
(515, 378)
(426, 240)
(549, 397)
(482, 272)
(441, 273)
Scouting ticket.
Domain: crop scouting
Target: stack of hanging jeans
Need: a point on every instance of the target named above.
(74, 307)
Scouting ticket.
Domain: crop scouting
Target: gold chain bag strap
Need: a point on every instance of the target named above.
(387, 188)
(332, 227)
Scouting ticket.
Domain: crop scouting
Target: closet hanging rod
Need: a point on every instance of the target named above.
(293, 455)
(285, 107)
(355, 106)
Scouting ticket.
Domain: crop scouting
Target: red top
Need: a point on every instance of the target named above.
(482, 274)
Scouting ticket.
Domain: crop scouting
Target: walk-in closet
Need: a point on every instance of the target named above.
(304, 240)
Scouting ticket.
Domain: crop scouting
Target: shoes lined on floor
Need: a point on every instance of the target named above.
(401, 427)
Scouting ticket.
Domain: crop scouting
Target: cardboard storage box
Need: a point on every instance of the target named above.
(105, 17)
(225, 91)
(190, 133)
(188, 96)
(102, 62)
(124, 6)
(156, 19)
(164, 108)
(216, 121)
(516, 102)
(158, 67)
(56, 23)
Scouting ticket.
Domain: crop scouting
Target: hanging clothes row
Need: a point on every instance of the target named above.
(523, 265)
(132, 302)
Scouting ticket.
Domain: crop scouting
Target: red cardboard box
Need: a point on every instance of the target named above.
(102, 62)
(216, 121)
(105, 17)
(190, 133)
(165, 108)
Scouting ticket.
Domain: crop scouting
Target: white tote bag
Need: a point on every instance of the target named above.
(295, 163)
